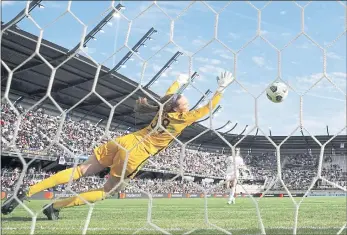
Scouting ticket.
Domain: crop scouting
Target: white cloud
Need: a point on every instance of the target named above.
(215, 62)
(7, 3)
(53, 4)
(283, 12)
(267, 67)
(339, 74)
(264, 32)
(174, 73)
(304, 82)
(201, 59)
(317, 123)
(304, 45)
(325, 97)
(234, 36)
(198, 42)
(222, 53)
(225, 56)
(156, 67)
(171, 50)
(210, 69)
(286, 34)
(90, 50)
(339, 79)
(208, 61)
(259, 60)
(333, 55)
(156, 48)
(308, 80)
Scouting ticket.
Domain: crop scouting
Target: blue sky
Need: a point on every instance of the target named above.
(257, 64)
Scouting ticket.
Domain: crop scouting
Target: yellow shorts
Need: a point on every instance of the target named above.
(113, 156)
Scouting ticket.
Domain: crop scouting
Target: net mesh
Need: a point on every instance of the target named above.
(55, 140)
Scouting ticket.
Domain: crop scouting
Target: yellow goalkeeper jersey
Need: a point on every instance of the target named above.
(154, 140)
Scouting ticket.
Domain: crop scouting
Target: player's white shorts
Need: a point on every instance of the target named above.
(231, 176)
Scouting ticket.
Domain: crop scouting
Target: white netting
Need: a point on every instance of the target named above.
(181, 149)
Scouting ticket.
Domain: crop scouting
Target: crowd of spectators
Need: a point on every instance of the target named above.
(10, 176)
(37, 129)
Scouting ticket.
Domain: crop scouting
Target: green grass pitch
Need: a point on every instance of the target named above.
(321, 215)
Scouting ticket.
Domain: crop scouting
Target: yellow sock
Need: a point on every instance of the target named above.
(90, 196)
(61, 177)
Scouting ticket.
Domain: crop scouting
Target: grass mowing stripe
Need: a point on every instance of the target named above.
(178, 216)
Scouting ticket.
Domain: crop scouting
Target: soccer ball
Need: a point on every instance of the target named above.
(277, 92)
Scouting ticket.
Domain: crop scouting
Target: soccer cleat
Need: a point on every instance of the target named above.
(51, 213)
(232, 201)
(10, 204)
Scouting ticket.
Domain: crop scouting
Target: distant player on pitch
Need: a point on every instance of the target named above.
(232, 174)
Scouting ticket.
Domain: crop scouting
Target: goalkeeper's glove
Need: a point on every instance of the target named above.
(224, 80)
(182, 79)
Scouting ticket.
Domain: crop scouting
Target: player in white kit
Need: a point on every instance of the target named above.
(231, 176)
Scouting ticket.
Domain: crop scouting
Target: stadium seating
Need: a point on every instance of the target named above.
(81, 137)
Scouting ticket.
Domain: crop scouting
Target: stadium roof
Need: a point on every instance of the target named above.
(74, 80)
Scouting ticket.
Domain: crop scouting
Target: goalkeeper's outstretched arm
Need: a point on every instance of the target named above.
(182, 79)
(223, 81)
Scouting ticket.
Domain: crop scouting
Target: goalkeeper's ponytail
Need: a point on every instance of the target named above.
(142, 106)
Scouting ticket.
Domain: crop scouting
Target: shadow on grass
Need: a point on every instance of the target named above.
(21, 219)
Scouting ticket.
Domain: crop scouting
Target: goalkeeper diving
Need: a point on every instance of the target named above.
(140, 145)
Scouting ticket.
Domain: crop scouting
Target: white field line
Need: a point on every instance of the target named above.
(169, 229)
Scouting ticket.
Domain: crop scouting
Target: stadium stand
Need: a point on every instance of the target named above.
(297, 170)
(205, 158)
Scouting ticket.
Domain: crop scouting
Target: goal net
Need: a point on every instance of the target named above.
(48, 126)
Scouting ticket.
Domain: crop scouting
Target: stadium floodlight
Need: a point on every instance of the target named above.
(225, 125)
(90, 35)
(231, 129)
(99, 122)
(135, 48)
(331, 142)
(238, 136)
(116, 15)
(192, 78)
(19, 99)
(269, 131)
(163, 69)
(41, 6)
(122, 62)
(253, 139)
(214, 136)
(22, 14)
(96, 29)
(202, 99)
(306, 141)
